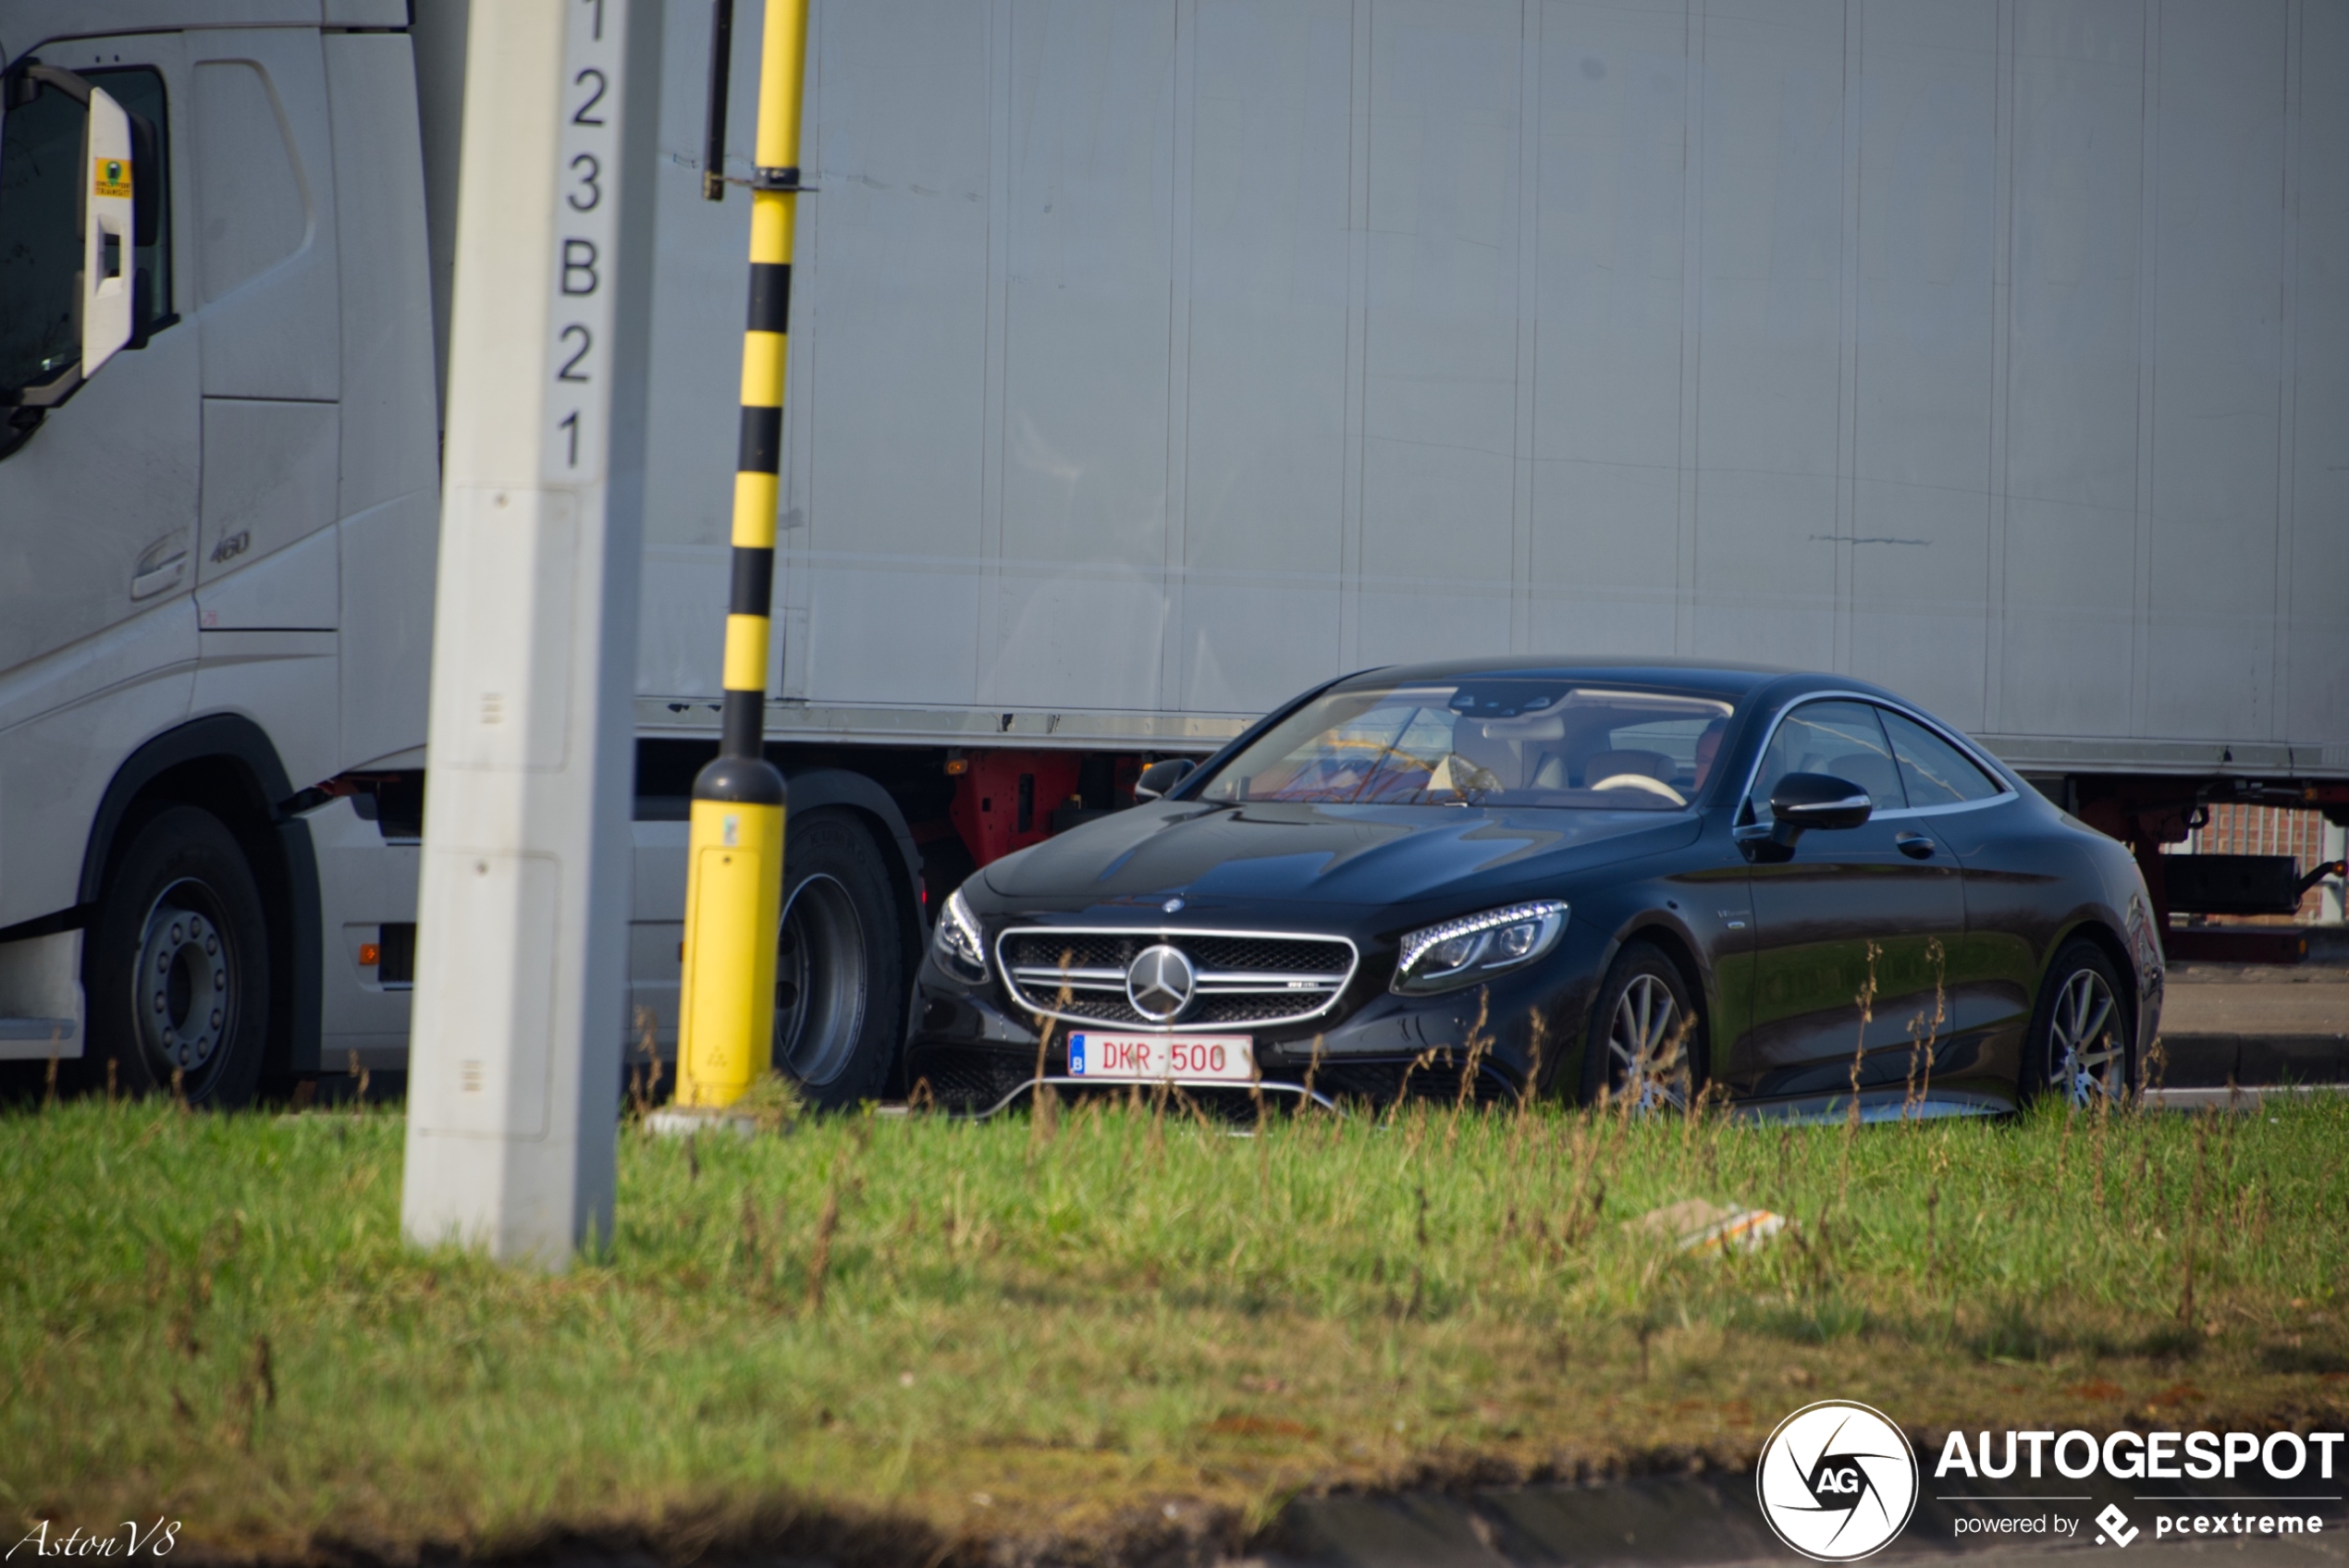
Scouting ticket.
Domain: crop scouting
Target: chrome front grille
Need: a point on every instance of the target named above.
(1241, 976)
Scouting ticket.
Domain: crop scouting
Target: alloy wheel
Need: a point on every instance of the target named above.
(2087, 1063)
(1647, 1048)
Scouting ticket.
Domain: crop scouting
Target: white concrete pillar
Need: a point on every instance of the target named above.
(521, 926)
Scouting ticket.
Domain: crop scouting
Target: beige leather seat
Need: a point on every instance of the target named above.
(1606, 764)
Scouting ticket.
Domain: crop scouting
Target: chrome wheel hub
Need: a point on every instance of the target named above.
(182, 994)
(1647, 1048)
(2088, 1063)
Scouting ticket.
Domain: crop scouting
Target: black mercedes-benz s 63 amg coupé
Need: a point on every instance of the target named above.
(1481, 879)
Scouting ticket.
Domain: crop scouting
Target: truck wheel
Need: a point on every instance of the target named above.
(839, 986)
(175, 971)
(2079, 1042)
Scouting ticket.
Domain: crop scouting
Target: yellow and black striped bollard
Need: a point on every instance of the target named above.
(734, 871)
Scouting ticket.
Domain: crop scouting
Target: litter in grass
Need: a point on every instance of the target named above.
(1694, 1225)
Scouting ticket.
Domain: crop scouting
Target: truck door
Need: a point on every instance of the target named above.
(98, 497)
(1854, 935)
(99, 494)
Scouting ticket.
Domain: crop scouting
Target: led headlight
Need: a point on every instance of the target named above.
(956, 943)
(1463, 951)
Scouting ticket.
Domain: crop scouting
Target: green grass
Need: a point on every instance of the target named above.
(1048, 1329)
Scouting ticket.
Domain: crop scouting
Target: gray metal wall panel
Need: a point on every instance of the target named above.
(1606, 419)
(1265, 409)
(1080, 598)
(1770, 385)
(1440, 392)
(2209, 651)
(2070, 477)
(1918, 543)
(2316, 580)
(893, 470)
(1245, 341)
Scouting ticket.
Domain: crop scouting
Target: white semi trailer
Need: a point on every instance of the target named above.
(1151, 361)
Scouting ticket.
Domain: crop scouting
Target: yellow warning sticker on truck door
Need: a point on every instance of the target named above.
(113, 177)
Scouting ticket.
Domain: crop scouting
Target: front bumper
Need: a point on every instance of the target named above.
(1484, 1043)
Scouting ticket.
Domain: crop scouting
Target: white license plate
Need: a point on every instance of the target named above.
(1221, 1058)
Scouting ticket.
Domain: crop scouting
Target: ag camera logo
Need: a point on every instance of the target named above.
(1838, 1481)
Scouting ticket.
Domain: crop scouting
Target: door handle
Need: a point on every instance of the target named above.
(160, 566)
(1917, 846)
(155, 579)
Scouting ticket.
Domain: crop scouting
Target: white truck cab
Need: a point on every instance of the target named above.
(217, 541)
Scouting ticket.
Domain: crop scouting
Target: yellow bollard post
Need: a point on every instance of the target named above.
(734, 868)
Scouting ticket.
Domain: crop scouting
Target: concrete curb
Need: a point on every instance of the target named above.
(2211, 1061)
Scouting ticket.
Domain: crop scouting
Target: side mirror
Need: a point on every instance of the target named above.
(1161, 777)
(109, 225)
(1801, 801)
(116, 155)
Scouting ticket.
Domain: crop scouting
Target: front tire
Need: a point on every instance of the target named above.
(840, 973)
(1647, 1034)
(175, 971)
(2078, 1048)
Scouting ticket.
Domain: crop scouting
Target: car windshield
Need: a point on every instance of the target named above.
(1505, 741)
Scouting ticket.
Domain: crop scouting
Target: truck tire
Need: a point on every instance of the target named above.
(839, 980)
(176, 968)
(2078, 1048)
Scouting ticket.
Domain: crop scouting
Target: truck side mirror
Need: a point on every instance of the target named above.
(69, 226)
(1161, 777)
(109, 227)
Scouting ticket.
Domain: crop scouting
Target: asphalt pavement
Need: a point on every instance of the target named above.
(1714, 1521)
(2258, 1024)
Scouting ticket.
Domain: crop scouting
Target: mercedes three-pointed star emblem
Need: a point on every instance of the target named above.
(1159, 982)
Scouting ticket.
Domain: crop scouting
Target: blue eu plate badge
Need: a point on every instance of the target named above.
(1077, 1056)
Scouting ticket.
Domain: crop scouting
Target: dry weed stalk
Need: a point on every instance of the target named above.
(1418, 1063)
(1478, 1043)
(819, 1262)
(2194, 1211)
(1865, 1001)
(1921, 1051)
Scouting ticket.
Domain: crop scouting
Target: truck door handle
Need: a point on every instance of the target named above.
(1917, 846)
(154, 580)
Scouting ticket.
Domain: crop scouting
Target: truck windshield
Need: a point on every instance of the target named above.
(1505, 741)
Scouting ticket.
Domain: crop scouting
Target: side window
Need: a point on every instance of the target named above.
(1840, 739)
(1936, 772)
(41, 176)
(40, 238)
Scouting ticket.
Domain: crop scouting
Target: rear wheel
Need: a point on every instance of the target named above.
(1646, 1033)
(839, 980)
(176, 972)
(2079, 1049)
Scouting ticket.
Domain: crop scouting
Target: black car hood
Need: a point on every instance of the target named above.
(1283, 853)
